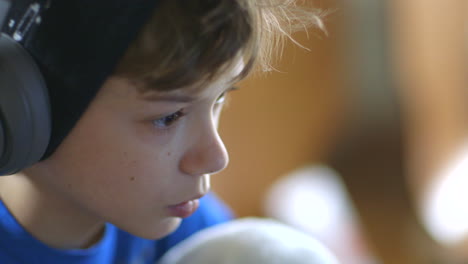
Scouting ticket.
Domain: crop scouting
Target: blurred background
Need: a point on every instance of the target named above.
(360, 139)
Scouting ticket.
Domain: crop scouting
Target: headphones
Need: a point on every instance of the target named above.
(70, 68)
(25, 115)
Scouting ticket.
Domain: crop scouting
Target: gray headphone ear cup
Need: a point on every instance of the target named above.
(24, 109)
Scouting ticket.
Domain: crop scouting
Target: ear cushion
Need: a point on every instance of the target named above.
(25, 117)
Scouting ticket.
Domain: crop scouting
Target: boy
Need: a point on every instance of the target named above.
(135, 89)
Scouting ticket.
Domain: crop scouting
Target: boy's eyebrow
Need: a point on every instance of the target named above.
(169, 98)
(178, 98)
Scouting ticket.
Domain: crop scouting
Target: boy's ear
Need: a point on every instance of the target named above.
(25, 119)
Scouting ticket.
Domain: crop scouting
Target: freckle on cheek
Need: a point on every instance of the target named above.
(168, 154)
(132, 178)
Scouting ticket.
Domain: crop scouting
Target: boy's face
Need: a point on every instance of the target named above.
(132, 157)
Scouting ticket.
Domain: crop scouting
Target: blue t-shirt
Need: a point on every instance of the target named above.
(116, 246)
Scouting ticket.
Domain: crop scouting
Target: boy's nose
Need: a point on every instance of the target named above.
(208, 155)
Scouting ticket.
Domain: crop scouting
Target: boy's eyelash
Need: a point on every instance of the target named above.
(167, 121)
(223, 97)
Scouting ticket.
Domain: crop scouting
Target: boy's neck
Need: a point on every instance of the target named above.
(46, 216)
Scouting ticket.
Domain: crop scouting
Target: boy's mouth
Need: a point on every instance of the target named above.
(184, 209)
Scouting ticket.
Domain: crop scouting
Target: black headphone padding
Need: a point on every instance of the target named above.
(25, 117)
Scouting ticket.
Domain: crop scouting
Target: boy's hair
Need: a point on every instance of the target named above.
(192, 42)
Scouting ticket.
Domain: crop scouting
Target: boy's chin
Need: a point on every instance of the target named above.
(161, 229)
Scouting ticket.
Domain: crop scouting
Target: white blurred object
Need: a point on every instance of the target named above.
(315, 200)
(249, 241)
(444, 209)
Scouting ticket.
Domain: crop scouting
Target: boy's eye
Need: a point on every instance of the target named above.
(168, 120)
(221, 98)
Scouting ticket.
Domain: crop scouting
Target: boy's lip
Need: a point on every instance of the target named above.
(186, 208)
(183, 210)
